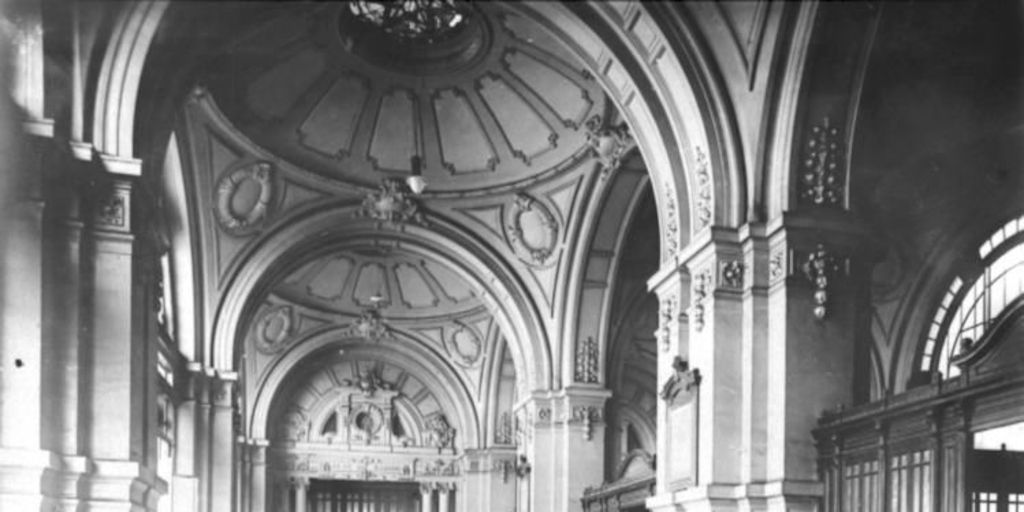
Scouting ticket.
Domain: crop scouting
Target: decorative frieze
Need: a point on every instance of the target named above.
(587, 356)
(112, 206)
(703, 283)
(704, 194)
(821, 181)
(820, 267)
(392, 203)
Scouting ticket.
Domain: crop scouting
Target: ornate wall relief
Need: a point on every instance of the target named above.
(244, 197)
(821, 182)
(392, 203)
(464, 346)
(587, 356)
(704, 195)
(671, 236)
(608, 143)
(531, 230)
(666, 315)
(703, 283)
(273, 329)
(820, 267)
(730, 273)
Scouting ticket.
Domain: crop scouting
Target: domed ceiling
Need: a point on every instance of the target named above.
(499, 105)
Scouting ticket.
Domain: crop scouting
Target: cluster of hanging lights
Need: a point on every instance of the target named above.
(422, 21)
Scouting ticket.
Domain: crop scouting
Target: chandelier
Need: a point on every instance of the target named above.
(426, 21)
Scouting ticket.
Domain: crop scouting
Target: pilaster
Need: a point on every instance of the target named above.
(490, 481)
(222, 441)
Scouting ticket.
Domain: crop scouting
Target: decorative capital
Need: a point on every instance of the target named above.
(821, 182)
(392, 203)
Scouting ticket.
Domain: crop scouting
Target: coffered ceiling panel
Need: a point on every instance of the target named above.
(406, 286)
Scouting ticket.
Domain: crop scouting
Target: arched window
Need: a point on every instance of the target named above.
(966, 312)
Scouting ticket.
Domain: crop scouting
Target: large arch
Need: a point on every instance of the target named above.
(405, 351)
(337, 224)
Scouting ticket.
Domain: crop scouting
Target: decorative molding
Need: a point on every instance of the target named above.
(703, 283)
(544, 414)
(514, 229)
(392, 203)
(666, 315)
(608, 143)
(704, 195)
(273, 329)
(822, 178)
(819, 267)
(451, 345)
(681, 388)
(369, 326)
(731, 274)
(587, 355)
(241, 223)
(671, 225)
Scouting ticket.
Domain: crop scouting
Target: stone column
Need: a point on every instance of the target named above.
(445, 492)
(539, 486)
(257, 488)
(222, 441)
(773, 317)
(426, 497)
(673, 290)
(22, 458)
(118, 366)
(186, 481)
(581, 442)
(819, 273)
(301, 488)
(490, 480)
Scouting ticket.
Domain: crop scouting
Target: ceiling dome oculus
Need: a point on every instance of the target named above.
(419, 37)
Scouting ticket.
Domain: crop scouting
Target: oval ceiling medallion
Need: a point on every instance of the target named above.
(244, 197)
(273, 329)
(531, 229)
(464, 346)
